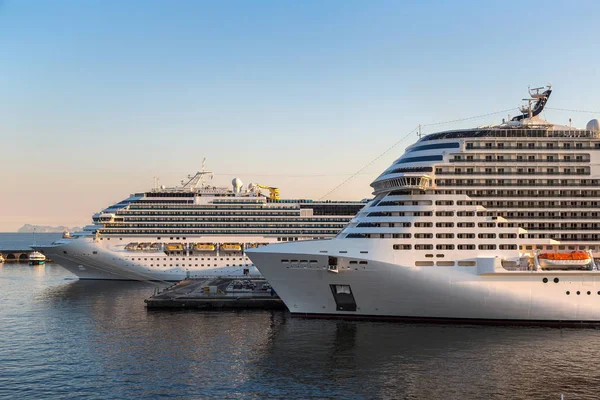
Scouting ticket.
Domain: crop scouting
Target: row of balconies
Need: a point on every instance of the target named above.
(514, 172)
(537, 147)
(519, 160)
(529, 183)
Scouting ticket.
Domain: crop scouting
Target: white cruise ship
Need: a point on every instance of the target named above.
(193, 230)
(496, 223)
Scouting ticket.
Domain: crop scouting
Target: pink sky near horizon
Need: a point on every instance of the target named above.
(97, 97)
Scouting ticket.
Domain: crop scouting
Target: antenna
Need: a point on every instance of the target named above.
(419, 134)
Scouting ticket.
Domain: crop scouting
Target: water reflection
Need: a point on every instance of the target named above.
(95, 338)
(429, 361)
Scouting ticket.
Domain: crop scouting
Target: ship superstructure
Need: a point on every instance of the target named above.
(493, 223)
(194, 229)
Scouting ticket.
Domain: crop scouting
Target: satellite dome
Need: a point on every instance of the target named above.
(237, 184)
(593, 125)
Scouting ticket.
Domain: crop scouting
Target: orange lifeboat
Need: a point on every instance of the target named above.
(574, 259)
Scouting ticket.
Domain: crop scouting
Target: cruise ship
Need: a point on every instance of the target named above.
(193, 230)
(493, 224)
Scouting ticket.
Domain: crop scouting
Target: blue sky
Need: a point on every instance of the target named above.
(97, 97)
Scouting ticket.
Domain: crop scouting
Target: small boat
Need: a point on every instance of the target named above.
(574, 259)
(1, 259)
(205, 247)
(231, 247)
(37, 258)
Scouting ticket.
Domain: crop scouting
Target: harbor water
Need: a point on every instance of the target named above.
(63, 338)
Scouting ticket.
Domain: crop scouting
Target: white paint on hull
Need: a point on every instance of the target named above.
(88, 260)
(396, 289)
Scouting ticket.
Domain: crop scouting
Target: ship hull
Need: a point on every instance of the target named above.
(86, 259)
(396, 290)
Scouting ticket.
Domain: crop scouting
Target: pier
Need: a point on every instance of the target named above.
(18, 255)
(218, 293)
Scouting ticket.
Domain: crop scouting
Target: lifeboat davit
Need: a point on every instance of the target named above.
(575, 259)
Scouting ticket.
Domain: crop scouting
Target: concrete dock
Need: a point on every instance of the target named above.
(218, 294)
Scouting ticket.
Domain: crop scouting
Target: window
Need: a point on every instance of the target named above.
(445, 263)
(402, 247)
(423, 247)
(487, 247)
(423, 235)
(467, 263)
(423, 263)
(420, 159)
(434, 146)
(423, 224)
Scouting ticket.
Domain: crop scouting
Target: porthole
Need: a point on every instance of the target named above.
(589, 292)
(555, 280)
(545, 280)
(568, 293)
(578, 293)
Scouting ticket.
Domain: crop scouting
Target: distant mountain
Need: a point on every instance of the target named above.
(27, 228)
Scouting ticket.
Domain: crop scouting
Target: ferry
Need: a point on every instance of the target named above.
(36, 258)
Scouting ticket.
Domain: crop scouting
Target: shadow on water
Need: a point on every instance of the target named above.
(95, 338)
(431, 361)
